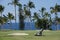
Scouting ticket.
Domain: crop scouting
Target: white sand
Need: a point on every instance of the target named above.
(18, 34)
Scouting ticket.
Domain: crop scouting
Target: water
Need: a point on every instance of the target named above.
(54, 27)
(28, 26)
(15, 26)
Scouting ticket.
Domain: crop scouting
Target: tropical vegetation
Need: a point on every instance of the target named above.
(42, 19)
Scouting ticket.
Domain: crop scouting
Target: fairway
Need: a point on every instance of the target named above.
(47, 35)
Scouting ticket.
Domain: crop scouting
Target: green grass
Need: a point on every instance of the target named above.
(47, 35)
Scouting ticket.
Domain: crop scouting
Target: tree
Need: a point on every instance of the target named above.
(10, 17)
(38, 24)
(45, 20)
(47, 16)
(55, 9)
(21, 17)
(14, 2)
(42, 11)
(44, 16)
(1, 9)
(58, 19)
(27, 8)
(42, 22)
(3, 20)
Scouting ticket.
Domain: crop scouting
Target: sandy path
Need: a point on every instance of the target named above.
(18, 34)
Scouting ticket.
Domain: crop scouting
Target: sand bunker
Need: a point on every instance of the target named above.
(18, 34)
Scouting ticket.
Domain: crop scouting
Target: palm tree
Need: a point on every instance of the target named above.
(31, 4)
(3, 20)
(42, 23)
(54, 10)
(36, 19)
(10, 17)
(42, 11)
(1, 9)
(43, 14)
(21, 17)
(38, 23)
(36, 15)
(14, 2)
(58, 8)
(47, 16)
(58, 19)
(21, 21)
(27, 8)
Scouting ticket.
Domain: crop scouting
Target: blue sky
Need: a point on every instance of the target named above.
(38, 5)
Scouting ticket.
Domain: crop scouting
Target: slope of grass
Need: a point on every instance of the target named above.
(47, 35)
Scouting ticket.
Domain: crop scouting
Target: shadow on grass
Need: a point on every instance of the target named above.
(40, 35)
(6, 36)
(13, 36)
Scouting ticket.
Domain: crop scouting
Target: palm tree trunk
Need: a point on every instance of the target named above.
(1, 14)
(56, 21)
(57, 27)
(56, 15)
(10, 25)
(0, 27)
(42, 15)
(39, 33)
(21, 22)
(15, 13)
(30, 18)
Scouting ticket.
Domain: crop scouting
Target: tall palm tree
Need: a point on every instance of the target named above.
(27, 8)
(54, 10)
(14, 2)
(21, 17)
(10, 17)
(1, 9)
(1, 22)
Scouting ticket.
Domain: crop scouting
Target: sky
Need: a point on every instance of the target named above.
(38, 5)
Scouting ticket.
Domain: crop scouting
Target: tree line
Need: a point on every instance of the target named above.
(42, 19)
